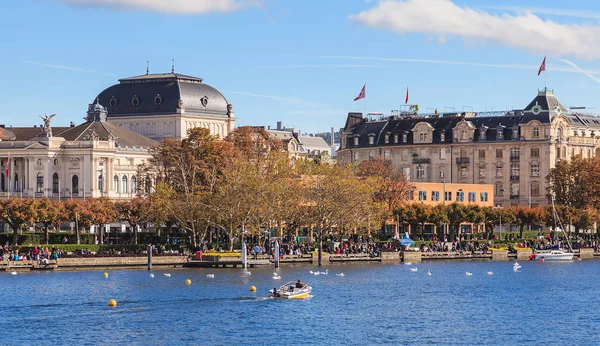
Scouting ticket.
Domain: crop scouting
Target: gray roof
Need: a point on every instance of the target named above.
(309, 142)
(104, 130)
(161, 94)
(28, 133)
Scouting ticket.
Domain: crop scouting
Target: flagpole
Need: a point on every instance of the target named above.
(365, 99)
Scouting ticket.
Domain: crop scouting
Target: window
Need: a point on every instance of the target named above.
(101, 183)
(515, 133)
(535, 169)
(515, 153)
(404, 138)
(499, 171)
(498, 153)
(39, 183)
(435, 195)
(535, 152)
(55, 183)
(482, 153)
(463, 135)
(124, 184)
(442, 174)
(355, 141)
(133, 185)
(448, 195)
(422, 195)
(500, 134)
(463, 172)
(559, 134)
(420, 172)
(371, 139)
(442, 137)
(482, 135)
(499, 189)
(355, 159)
(410, 195)
(472, 197)
(75, 184)
(483, 196)
(460, 196)
(387, 138)
(442, 153)
(536, 132)
(116, 183)
(514, 169)
(396, 138)
(16, 183)
(535, 189)
(481, 172)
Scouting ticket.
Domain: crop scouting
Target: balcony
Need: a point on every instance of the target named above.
(515, 158)
(421, 160)
(514, 178)
(462, 160)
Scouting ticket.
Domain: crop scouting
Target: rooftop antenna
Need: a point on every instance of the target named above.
(147, 67)
(172, 65)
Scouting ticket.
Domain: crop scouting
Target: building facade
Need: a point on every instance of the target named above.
(513, 152)
(167, 105)
(94, 159)
(444, 194)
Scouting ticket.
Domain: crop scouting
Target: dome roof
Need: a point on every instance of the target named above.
(164, 93)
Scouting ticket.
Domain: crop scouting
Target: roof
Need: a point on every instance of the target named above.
(309, 142)
(103, 131)
(284, 136)
(545, 106)
(27, 133)
(6, 135)
(164, 93)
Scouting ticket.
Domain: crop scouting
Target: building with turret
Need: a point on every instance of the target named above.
(513, 151)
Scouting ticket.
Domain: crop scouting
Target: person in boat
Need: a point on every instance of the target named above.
(299, 284)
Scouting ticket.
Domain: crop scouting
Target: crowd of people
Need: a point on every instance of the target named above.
(41, 254)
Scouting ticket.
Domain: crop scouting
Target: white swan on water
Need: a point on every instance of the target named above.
(13, 273)
(167, 275)
(490, 273)
(310, 272)
(210, 276)
(414, 269)
(468, 274)
(340, 274)
(276, 277)
(326, 272)
(151, 275)
(429, 273)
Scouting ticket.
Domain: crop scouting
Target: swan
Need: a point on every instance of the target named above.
(326, 272)
(277, 277)
(340, 274)
(151, 275)
(167, 275)
(516, 269)
(469, 274)
(311, 272)
(211, 276)
(413, 269)
(490, 273)
(13, 273)
(429, 273)
(316, 273)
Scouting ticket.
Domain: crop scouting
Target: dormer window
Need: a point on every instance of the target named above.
(500, 133)
(396, 138)
(387, 138)
(371, 138)
(422, 137)
(404, 138)
(356, 141)
(482, 134)
(536, 132)
(463, 135)
(515, 133)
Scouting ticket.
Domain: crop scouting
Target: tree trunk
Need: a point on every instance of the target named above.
(15, 234)
(521, 228)
(101, 235)
(230, 237)
(46, 233)
(320, 250)
(135, 234)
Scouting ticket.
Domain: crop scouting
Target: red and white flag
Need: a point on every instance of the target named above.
(406, 99)
(362, 94)
(542, 66)
(7, 165)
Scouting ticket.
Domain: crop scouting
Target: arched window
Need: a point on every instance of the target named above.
(116, 183)
(101, 183)
(16, 183)
(124, 184)
(39, 183)
(75, 184)
(559, 134)
(55, 183)
(133, 185)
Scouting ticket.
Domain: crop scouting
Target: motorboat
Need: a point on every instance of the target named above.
(552, 255)
(291, 290)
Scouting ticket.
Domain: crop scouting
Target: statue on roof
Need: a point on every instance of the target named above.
(46, 126)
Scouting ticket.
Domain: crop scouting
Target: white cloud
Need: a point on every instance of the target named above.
(559, 12)
(168, 6)
(63, 67)
(444, 18)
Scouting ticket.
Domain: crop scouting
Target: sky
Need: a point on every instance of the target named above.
(301, 62)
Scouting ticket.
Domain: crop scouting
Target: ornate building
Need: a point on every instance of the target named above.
(167, 105)
(94, 159)
(514, 151)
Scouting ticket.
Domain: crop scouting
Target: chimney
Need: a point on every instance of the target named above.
(332, 137)
(268, 127)
(72, 124)
(279, 125)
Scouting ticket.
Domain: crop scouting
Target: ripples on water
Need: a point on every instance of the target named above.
(544, 303)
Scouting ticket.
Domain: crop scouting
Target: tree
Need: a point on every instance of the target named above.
(50, 214)
(457, 214)
(422, 213)
(17, 213)
(133, 211)
(575, 183)
(439, 217)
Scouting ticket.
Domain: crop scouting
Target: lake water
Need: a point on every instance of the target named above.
(543, 303)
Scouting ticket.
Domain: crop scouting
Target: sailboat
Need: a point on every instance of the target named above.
(554, 255)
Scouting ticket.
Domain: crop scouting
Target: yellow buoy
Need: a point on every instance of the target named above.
(188, 282)
(105, 274)
(112, 303)
(252, 288)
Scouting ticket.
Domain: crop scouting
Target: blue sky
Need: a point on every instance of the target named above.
(301, 62)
